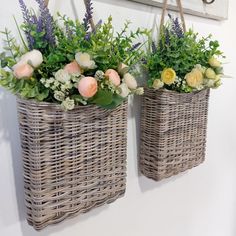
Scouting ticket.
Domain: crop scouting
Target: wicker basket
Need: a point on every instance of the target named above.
(73, 161)
(173, 132)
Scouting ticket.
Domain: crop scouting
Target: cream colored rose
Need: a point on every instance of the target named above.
(214, 62)
(85, 61)
(123, 90)
(157, 84)
(218, 77)
(210, 73)
(22, 71)
(194, 78)
(34, 58)
(62, 76)
(201, 68)
(130, 81)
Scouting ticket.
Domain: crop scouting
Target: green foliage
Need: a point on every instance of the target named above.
(107, 49)
(181, 54)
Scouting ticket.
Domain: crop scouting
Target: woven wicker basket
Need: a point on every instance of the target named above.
(173, 132)
(73, 161)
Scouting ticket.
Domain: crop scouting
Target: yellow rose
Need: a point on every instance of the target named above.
(210, 74)
(168, 76)
(194, 78)
(157, 84)
(214, 62)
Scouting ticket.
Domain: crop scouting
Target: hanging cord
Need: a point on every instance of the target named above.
(179, 5)
(86, 3)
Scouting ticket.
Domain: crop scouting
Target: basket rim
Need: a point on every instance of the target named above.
(175, 92)
(58, 106)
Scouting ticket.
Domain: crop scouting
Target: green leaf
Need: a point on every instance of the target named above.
(102, 98)
(116, 101)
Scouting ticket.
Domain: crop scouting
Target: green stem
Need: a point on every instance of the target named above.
(21, 37)
(9, 44)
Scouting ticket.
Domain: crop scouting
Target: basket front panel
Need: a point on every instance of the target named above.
(73, 161)
(173, 133)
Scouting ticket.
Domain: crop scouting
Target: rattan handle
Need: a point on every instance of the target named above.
(179, 5)
(86, 6)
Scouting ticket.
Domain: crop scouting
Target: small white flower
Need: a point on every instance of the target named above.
(130, 81)
(68, 104)
(56, 83)
(201, 68)
(157, 84)
(123, 90)
(84, 60)
(99, 75)
(139, 91)
(62, 76)
(33, 58)
(60, 96)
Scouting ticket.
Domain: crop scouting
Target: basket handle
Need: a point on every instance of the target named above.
(86, 3)
(179, 5)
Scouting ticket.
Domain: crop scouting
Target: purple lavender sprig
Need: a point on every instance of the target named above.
(88, 15)
(45, 22)
(29, 20)
(88, 34)
(134, 47)
(176, 27)
(154, 48)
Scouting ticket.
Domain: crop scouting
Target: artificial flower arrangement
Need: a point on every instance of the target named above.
(181, 68)
(69, 62)
(183, 62)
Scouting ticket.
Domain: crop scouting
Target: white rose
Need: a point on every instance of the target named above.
(34, 58)
(62, 76)
(130, 81)
(123, 90)
(84, 60)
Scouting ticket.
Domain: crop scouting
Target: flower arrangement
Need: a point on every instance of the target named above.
(70, 62)
(183, 62)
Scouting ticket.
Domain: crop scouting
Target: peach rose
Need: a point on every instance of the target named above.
(73, 68)
(113, 77)
(23, 71)
(88, 87)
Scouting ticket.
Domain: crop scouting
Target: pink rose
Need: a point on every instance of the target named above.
(113, 77)
(73, 68)
(88, 87)
(23, 71)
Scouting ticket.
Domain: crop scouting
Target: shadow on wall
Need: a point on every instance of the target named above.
(10, 134)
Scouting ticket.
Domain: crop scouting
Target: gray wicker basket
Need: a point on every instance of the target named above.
(173, 132)
(73, 161)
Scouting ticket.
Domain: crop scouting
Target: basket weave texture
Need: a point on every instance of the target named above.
(73, 161)
(173, 132)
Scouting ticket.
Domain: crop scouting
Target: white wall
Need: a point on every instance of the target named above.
(200, 202)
